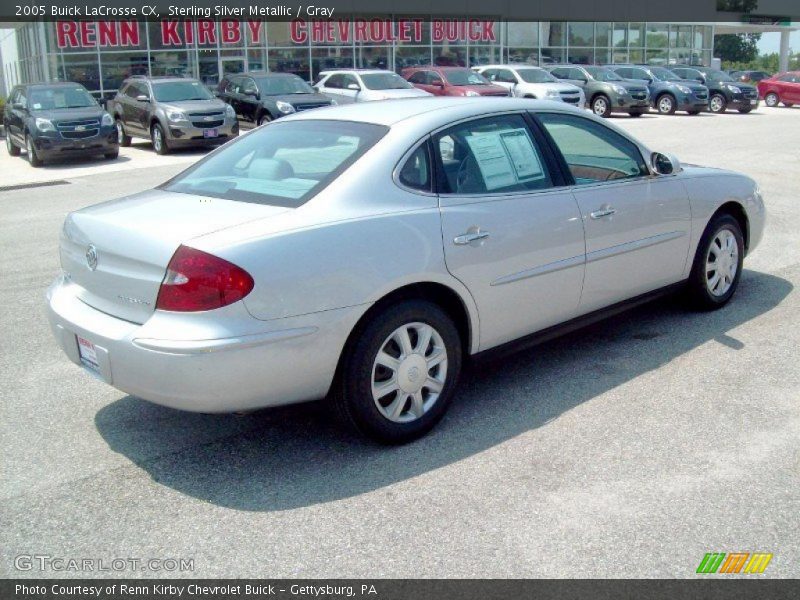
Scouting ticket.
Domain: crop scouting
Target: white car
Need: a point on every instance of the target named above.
(525, 81)
(365, 85)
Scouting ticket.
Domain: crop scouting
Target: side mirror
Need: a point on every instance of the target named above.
(353, 86)
(142, 98)
(17, 106)
(253, 93)
(665, 164)
(438, 83)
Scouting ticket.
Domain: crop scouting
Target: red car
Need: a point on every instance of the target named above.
(452, 81)
(783, 87)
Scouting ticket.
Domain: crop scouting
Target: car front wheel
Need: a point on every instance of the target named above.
(263, 119)
(398, 376)
(666, 105)
(601, 106)
(33, 158)
(771, 99)
(718, 264)
(12, 148)
(123, 139)
(159, 139)
(717, 103)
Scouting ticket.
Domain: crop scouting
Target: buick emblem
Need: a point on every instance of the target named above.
(413, 374)
(91, 257)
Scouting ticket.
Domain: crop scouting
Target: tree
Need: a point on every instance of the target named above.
(736, 47)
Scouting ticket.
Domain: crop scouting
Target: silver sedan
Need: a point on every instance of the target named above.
(362, 253)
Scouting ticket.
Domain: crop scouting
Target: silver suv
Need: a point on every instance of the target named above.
(171, 112)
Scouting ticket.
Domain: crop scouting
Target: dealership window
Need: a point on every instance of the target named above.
(636, 55)
(330, 58)
(372, 57)
(208, 66)
(278, 34)
(83, 69)
(619, 35)
(657, 36)
(703, 37)
(602, 34)
(173, 64)
(522, 35)
(290, 60)
(257, 59)
(411, 56)
(450, 56)
(602, 56)
(553, 33)
(484, 55)
(553, 56)
(117, 66)
(657, 56)
(580, 56)
(636, 34)
(680, 36)
(528, 56)
(581, 34)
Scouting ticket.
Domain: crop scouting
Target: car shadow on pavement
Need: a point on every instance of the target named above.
(297, 456)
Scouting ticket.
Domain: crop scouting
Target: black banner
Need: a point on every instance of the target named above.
(392, 589)
(781, 11)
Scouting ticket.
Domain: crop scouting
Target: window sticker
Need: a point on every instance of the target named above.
(37, 106)
(505, 158)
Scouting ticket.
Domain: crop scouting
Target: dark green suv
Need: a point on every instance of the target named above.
(606, 92)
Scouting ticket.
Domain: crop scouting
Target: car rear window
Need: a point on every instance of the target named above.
(384, 81)
(283, 164)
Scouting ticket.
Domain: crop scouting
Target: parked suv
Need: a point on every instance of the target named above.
(364, 85)
(724, 91)
(783, 87)
(51, 120)
(524, 81)
(668, 92)
(452, 81)
(263, 97)
(171, 112)
(606, 92)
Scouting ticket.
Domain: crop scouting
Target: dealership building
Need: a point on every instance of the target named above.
(101, 54)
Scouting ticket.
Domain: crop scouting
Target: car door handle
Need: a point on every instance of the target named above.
(603, 212)
(472, 236)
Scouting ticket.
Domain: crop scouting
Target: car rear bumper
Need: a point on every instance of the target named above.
(278, 362)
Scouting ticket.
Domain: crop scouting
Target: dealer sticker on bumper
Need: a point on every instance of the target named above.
(88, 354)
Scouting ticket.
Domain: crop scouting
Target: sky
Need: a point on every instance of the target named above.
(771, 42)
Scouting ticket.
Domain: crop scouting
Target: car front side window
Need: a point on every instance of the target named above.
(494, 155)
(593, 152)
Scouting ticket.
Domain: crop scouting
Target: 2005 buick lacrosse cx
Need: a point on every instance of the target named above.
(362, 253)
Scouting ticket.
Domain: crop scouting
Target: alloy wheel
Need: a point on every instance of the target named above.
(665, 104)
(600, 107)
(120, 133)
(771, 99)
(722, 263)
(9, 143)
(157, 140)
(409, 372)
(717, 103)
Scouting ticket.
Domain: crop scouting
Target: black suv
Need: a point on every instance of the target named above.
(262, 97)
(53, 120)
(724, 91)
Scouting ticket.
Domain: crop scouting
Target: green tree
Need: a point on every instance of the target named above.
(736, 47)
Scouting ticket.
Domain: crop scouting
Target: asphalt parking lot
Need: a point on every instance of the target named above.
(629, 449)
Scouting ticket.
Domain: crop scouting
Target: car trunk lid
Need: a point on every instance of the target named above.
(116, 253)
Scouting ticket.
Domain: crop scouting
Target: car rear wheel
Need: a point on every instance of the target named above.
(398, 376)
(263, 119)
(601, 106)
(12, 148)
(159, 139)
(112, 155)
(744, 111)
(123, 139)
(717, 103)
(718, 264)
(666, 104)
(771, 99)
(636, 113)
(33, 158)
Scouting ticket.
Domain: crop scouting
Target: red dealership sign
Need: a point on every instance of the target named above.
(91, 34)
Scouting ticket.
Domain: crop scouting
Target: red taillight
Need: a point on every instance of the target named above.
(197, 281)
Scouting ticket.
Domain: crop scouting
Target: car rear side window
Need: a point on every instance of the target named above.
(416, 171)
(492, 155)
(593, 152)
(283, 164)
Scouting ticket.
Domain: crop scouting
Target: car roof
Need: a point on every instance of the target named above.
(360, 71)
(442, 108)
(51, 84)
(510, 66)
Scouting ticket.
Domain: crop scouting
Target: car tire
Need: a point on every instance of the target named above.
(601, 105)
(123, 139)
(772, 99)
(381, 389)
(636, 113)
(721, 241)
(744, 111)
(13, 149)
(112, 155)
(788, 104)
(33, 158)
(665, 104)
(159, 139)
(263, 119)
(717, 103)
